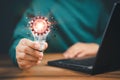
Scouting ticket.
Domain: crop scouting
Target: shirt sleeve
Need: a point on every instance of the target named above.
(21, 31)
(38, 7)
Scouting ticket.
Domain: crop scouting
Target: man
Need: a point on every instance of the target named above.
(80, 25)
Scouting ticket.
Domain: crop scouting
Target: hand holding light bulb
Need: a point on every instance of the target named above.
(40, 27)
(30, 53)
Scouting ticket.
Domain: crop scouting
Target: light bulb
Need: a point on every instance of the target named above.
(40, 28)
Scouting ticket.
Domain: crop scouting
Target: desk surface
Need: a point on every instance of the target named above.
(44, 72)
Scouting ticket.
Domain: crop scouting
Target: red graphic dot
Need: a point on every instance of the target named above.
(39, 25)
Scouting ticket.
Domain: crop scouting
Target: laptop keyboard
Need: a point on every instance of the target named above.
(86, 62)
(75, 64)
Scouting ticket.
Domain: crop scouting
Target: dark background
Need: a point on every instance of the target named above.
(10, 13)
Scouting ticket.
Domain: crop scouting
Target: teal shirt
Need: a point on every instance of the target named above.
(77, 21)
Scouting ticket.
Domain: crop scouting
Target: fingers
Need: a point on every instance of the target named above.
(32, 44)
(46, 46)
(29, 47)
(28, 52)
(71, 54)
(43, 46)
(80, 55)
(24, 64)
(27, 42)
(31, 58)
(80, 50)
(73, 51)
(26, 61)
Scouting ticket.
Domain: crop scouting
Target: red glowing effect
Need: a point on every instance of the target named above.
(40, 25)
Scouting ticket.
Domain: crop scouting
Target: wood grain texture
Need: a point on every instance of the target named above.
(44, 72)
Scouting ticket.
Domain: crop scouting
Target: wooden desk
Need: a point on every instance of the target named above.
(44, 72)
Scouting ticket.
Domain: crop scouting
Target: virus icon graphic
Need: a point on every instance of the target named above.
(40, 28)
(39, 25)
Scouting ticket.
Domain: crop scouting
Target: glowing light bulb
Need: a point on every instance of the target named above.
(40, 27)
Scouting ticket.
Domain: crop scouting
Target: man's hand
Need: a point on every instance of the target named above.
(81, 50)
(28, 54)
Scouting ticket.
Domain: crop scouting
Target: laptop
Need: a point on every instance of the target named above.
(108, 56)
